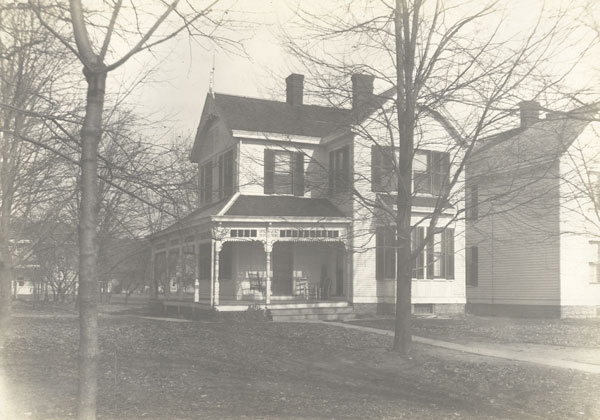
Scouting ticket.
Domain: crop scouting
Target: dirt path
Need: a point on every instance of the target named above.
(581, 359)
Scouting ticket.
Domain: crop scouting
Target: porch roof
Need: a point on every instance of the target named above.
(282, 206)
(256, 206)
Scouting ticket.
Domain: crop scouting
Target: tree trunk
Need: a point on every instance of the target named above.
(88, 247)
(405, 108)
(5, 279)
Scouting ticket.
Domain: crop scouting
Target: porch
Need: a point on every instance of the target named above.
(229, 261)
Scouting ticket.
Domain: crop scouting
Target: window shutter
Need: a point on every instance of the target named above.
(346, 169)
(375, 168)
(379, 253)
(472, 263)
(221, 176)
(331, 173)
(298, 175)
(421, 257)
(201, 186)
(429, 248)
(450, 253)
(269, 169)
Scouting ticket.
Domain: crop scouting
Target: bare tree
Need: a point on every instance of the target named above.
(32, 67)
(453, 64)
(115, 20)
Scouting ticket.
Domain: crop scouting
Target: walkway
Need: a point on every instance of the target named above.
(584, 360)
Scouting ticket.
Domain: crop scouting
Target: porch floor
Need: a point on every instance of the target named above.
(232, 305)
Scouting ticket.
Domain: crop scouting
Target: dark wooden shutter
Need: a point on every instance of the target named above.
(298, 175)
(376, 168)
(208, 183)
(379, 253)
(345, 176)
(332, 171)
(221, 176)
(449, 250)
(202, 185)
(228, 174)
(472, 266)
(429, 249)
(269, 170)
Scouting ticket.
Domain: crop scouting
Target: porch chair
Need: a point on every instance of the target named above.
(257, 283)
(301, 287)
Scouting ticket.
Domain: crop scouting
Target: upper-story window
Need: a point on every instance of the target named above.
(206, 183)
(339, 170)
(430, 172)
(284, 172)
(383, 174)
(226, 174)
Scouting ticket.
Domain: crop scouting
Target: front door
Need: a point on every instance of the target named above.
(283, 264)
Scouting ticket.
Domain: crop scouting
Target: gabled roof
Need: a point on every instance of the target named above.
(282, 206)
(267, 116)
(518, 149)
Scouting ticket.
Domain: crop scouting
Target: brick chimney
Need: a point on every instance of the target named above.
(530, 113)
(294, 92)
(362, 89)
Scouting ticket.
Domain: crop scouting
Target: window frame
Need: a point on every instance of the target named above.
(436, 175)
(339, 170)
(295, 172)
(472, 266)
(206, 183)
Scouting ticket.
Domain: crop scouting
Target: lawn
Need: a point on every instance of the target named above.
(558, 332)
(191, 370)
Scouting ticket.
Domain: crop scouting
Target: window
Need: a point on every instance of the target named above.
(284, 172)
(226, 174)
(472, 266)
(472, 203)
(206, 183)
(435, 261)
(417, 240)
(595, 265)
(430, 171)
(383, 175)
(440, 254)
(385, 240)
(339, 170)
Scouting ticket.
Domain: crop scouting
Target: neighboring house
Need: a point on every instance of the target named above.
(533, 232)
(279, 220)
(26, 275)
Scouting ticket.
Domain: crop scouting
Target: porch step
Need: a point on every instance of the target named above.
(338, 312)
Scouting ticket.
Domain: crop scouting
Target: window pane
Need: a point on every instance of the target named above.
(282, 162)
(420, 162)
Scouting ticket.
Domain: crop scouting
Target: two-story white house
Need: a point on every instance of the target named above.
(294, 206)
(533, 227)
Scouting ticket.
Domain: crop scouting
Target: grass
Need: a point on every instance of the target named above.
(558, 332)
(234, 370)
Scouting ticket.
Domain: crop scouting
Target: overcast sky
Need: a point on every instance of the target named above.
(181, 81)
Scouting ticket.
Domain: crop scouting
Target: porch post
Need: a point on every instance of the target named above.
(212, 273)
(349, 283)
(268, 248)
(218, 246)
